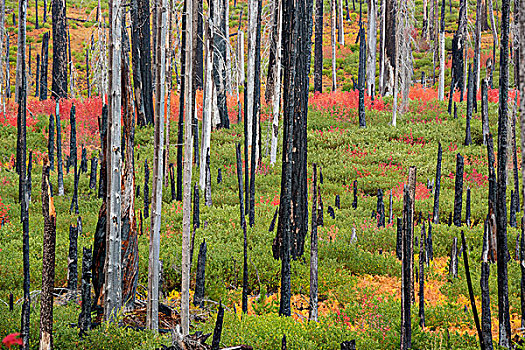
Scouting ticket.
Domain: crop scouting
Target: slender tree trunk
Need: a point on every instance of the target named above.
(152, 319)
(59, 86)
(382, 48)
(186, 227)
(313, 253)
(341, 32)
(333, 21)
(48, 262)
(493, 26)
(276, 96)
(43, 70)
(371, 49)
(250, 117)
(208, 106)
(501, 205)
(406, 272)
(113, 283)
(318, 60)
(441, 89)
(182, 96)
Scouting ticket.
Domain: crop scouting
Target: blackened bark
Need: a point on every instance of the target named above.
(73, 158)
(60, 61)
(318, 60)
(29, 179)
(200, 279)
(467, 210)
(399, 239)
(87, 75)
(485, 110)
(84, 320)
(99, 257)
(522, 268)
(207, 186)
(219, 176)
(380, 209)
(470, 104)
(458, 190)
(180, 132)
(72, 275)
(146, 190)
(512, 214)
(37, 76)
(172, 182)
(362, 77)
(437, 190)
(93, 173)
(406, 272)
(337, 201)
(215, 344)
(83, 161)
(354, 203)
(515, 169)
(219, 64)
(429, 246)
(48, 260)
(471, 291)
(486, 325)
(501, 203)
(422, 260)
(243, 226)
(198, 70)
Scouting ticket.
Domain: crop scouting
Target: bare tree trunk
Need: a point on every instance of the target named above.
(43, 69)
(113, 268)
(341, 32)
(441, 89)
(59, 86)
(2, 38)
(208, 106)
(48, 262)
(152, 320)
(313, 253)
(372, 47)
(382, 48)
(493, 25)
(276, 97)
(318, 59)
(250, 71)
(186, 209)
(333, 20)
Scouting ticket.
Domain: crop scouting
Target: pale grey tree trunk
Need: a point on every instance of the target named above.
(493, 26)
(250, 117)
(113, 283)
(372, 48)
(187, 163)
(228, 51)
(477, 42)
(2, 37)
(333, 21)
(276, 96)
(382, 52)
(441, 88)
(208, 105)
(341, 32)
(522, 93)
(152, 317)
(240, 55)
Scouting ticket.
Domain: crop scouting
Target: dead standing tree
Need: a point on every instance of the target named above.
(60, 60)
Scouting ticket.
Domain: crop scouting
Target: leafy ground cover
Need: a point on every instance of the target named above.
(359, 281)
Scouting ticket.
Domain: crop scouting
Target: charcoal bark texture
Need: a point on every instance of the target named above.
(83, 161)
(43, 69)
(337, 201)
(467, 209)
(59, 154)
(515, 169)
(84, 320)
(471, 291)
(331, 212)
(406, 272)
(391, 210)
(93, 173)
(207, 187)
(458, 190)
(522, 268)
(51, 143)
(318, 54)
(501, 197)
(362, 77)
(429, 244)
(48, 259)
(512, 214)
(219, 176)
(73, 159)
(380, 209)
(272, 224)
(485, 110)
(146, 190)
(172, 182)
(60, 61)
(99, 257)
(437, 190)
(486, 323)
(196, 207)
(180, 132)
(399, 239)
(72, 276)
(354, 203)
(200, 279)
(422, 260)
(103, 129)
(243, 226)
(215, 344)
(470, 104)
(29, 178)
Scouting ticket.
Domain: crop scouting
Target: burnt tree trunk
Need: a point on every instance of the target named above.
(84, 319)
(437, 189)
(43, 69)
(458, 190)
(48, 262)
(313, 313)
(243, 226)
(318, 60)
(60, 61)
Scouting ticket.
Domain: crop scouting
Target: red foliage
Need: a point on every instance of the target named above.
(12, 339)
(422, 192)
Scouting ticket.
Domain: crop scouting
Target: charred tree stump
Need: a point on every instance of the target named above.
(470, 104)
(215, 344)
(172, 182)
(83, 161)
(458, 190)
(354, 203)
(437, 190)
(72, 275)
(200, 280)
(313, 312)
(399, 239)
(406, 272)
(43, 69)
(243, 226)
(59, 153)
(48, 262)
(467, 209)
(146, 190)
(380, 209)
(60, 49)
(51, 143)
(453, 267)
(103, 129)
(93, 173)
(422, 260)
(84, 320)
